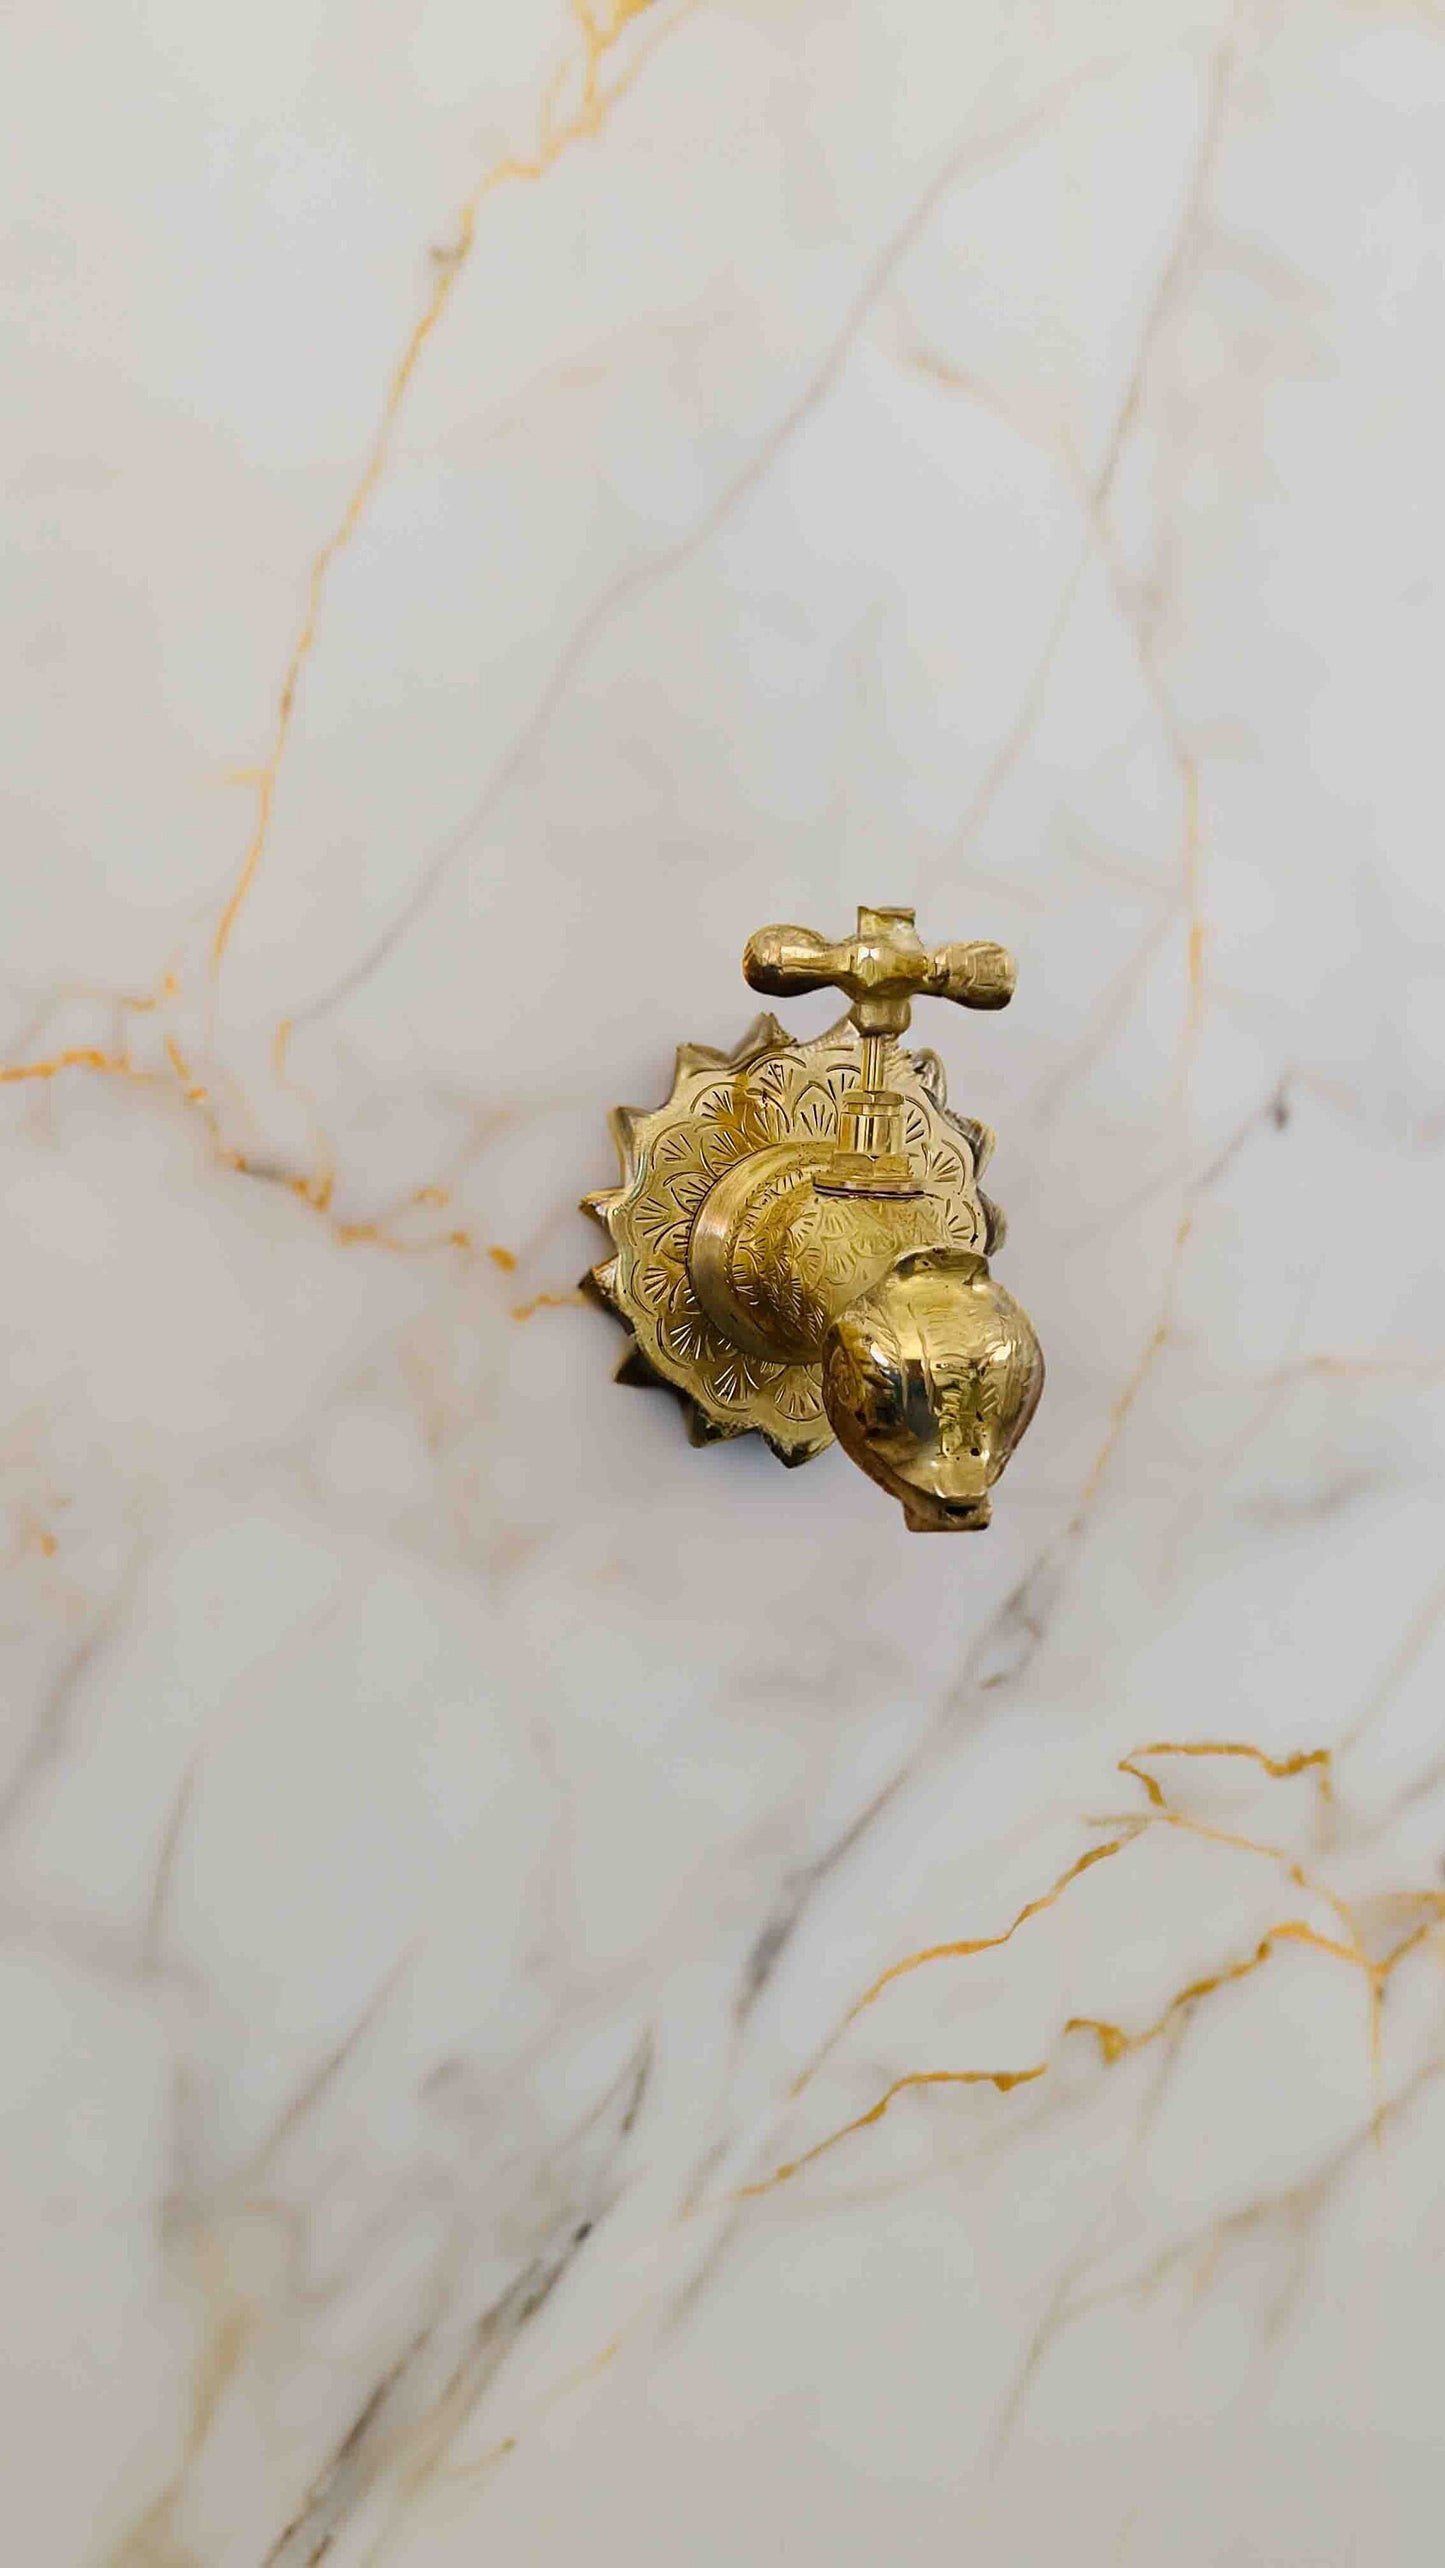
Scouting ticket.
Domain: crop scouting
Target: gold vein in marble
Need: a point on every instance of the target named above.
(82, 1056)
(548, 1302)
(1425, 1907)
(556, 133)
(173, 1074)
(1279, 1769)
(593, 97)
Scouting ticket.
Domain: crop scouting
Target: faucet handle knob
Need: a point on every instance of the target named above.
(978, 975)
(882, 969)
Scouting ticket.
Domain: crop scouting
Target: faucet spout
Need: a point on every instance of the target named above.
(929, 1380)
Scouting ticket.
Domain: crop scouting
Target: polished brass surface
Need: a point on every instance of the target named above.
(799, 1241)
(881, 969)
(929, 1381)
(775, 1259)
(725, 1109)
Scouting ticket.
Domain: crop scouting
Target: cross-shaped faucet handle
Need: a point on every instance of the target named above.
(882, 969)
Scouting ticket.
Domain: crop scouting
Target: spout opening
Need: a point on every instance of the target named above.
(923, 1514)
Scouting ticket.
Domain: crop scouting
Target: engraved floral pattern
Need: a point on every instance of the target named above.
(721, 1110)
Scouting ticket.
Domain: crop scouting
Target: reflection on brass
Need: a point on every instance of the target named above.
(799, 1244)
(929, 1381)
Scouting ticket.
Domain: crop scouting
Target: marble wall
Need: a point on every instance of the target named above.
(499, 504)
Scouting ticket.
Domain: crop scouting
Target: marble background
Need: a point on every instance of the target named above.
(499, 504)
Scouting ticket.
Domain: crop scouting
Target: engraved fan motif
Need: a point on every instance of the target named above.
(723, 1107)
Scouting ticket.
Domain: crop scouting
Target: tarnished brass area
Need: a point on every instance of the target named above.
(800, 1243)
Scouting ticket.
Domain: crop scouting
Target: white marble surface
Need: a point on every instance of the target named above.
(980, 455)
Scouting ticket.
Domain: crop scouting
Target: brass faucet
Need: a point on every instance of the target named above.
(800, 1244)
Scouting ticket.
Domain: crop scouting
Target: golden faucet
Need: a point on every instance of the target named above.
(800, 1244)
